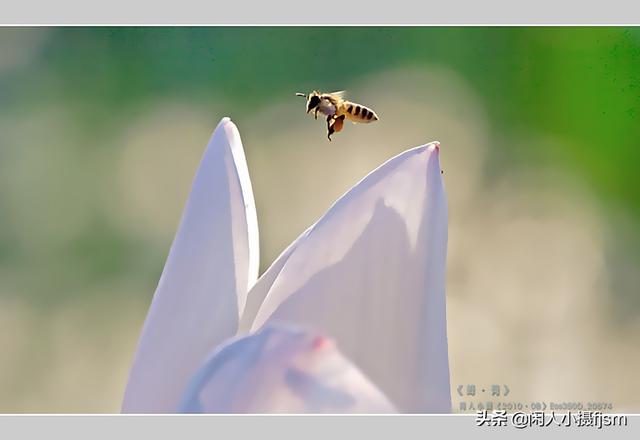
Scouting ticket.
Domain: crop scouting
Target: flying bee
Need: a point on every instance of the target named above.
(337, 109)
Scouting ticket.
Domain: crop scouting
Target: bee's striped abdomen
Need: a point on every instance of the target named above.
(359, 113)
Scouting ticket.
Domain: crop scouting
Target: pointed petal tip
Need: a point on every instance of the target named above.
(429, 147)
(227, 125)
(433, 146)
(433, 150)
(229, 130)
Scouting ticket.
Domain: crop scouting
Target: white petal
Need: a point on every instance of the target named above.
(281, 370)
(262, 286)
(371, 273)
(212, 263)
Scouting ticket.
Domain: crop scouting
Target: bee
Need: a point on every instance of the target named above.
(337, 109)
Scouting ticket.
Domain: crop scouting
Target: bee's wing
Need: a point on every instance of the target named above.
(340, 94)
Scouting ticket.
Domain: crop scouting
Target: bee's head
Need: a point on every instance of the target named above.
(313, 101)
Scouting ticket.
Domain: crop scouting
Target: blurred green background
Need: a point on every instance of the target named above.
(101, 130)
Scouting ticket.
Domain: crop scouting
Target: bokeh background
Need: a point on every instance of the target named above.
(101, 131)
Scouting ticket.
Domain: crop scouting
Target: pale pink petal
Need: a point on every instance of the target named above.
(371, 274)
(262, 286)
(212, 263)
(281, 370)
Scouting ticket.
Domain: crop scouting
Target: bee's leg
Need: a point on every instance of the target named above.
(334, 124)
(315, 114)
(330, 129)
